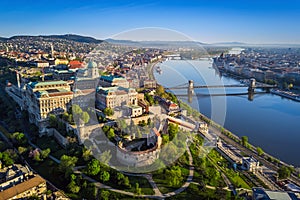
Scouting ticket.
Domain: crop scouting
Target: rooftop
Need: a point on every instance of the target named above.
(106, 90)
(22, 187)
(111, 78)
(262, 194)
(35, 84)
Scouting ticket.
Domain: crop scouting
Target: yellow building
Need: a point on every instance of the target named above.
(18, 182)
(111, 97)
(42, 98)
(33, 186)
(61, 61)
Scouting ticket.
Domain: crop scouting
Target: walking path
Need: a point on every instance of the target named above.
(157, 192)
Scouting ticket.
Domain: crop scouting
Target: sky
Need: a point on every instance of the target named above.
(210, 21)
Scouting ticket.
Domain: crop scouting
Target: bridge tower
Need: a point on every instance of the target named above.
(251, 88)
(191, 86)
(190, 90)
(252, 84)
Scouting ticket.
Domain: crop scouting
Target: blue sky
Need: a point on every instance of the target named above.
(212, 21)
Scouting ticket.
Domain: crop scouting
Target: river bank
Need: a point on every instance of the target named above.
(264, 120)
(283, 93)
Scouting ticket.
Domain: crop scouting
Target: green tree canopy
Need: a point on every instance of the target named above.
(52, 120)
(244, 140)
(104, 195)
(93, 167)
(259, 151)
(108, 111)
(172, 130)
(104, 176)
(66, 164)
(284, 172)
(45, 153)
(160, 90)
(174, 176)
(85, 117)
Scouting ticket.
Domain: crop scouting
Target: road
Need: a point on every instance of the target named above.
(250, 152)
(157, 192)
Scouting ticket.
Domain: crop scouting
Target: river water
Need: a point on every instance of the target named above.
(269, 121)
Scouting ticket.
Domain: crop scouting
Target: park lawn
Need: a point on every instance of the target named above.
(194, 192)
(232, 175)
(238, 181)
(143, 184)
(115, 195)
(49, 142)
(48, 170)
(57, 154)
(162, 182)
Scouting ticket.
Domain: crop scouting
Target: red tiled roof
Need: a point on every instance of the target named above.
(75, 64)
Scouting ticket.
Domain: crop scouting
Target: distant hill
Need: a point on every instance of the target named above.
(228, 44)
(2, 39)
(76, 38)
(70, 37)
(155, 43)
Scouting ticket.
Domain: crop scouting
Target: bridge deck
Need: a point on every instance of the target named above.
(220, 86)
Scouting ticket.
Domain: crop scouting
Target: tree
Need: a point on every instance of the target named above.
(52, 120)
(104, 176)
(244, 140)
(174, 176)
(108, 111)
(70, 119)
(73, 187)
(172, 130)
(284, 172)
(165, 139)
(259, 151)
(150, 99)
(160, 90)
(104, 194)
(65, 116)
(66, 164)
(93, 167)
(120, 178)
(7, 159)
(111, 134)
(37, 156)
(85, 117)
(126, 182)
(86, 154)
(105, 128)
(123, 180)
(89, 191)
(21, 150)
(20, 138)
(45, 153)
(76, 110)
(138, 190)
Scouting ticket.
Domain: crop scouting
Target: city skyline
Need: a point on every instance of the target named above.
(209, 22)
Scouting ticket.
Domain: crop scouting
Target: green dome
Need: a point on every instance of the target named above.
(92, 64)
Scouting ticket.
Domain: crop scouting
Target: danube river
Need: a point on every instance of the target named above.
(269, 121)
